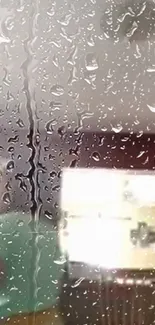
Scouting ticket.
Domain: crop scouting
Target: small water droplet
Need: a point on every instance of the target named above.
(90, 40)
(16, 234)
(48, 215)
(11, 149)
(78, 282)
(55, 61)
(61, 131)
(20, 223)
(7, 198)
(141, 154)
(72, 55)
(53, 174)
(132, 29)
(57, 90)
(91, 62)
(151, 108)
(72, 76)
(20, 123)
(96, 156)
(49, 127)
(10, 166)
(8, 186)
(55, 106)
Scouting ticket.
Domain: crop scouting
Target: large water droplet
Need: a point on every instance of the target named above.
(61, 261)
(151, 69)
(65, 20)
(4, 39)
(7, 198)
(151, 108)
(118, 128)
(96, 156)
(51, 11)
(14, 139)
(57, 90)
(91, 62)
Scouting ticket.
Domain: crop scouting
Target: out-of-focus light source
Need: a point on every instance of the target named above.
(99, 216)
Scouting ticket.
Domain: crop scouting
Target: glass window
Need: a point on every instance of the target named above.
(77, 233)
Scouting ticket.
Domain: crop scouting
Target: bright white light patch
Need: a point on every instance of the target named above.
(102, 206)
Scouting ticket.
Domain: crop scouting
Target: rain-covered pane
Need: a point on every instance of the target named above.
(77, 198)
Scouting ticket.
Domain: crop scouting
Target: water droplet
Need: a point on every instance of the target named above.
(48, 215)
(151, 108)
(96, 156)
(72, 55)
(65, 20)
(51, 11)
(14, 139)
(118, 128)
(91, 62)
(8, 186)
(62, 130)
(90, 40)
(55, 106)
(10, 166)
(20, 123)
(53, 174)
(56, 188)
(61, 261)
(23, 186)
(4, 39)
(90, 78)
(9, 23)
(55, 61)
(72, 76)
(141, 154)
(49, 127)
(11, 149)
(122, 17)
(7, 198)
(20, 223)
(142, 9)
(16, 234)
(132, 29)
(78, 282)
(57, 90)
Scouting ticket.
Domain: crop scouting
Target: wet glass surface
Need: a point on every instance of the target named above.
(77, 91)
